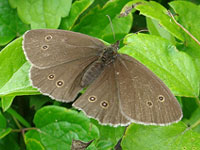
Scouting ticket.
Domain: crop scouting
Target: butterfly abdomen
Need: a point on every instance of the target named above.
(92, 73)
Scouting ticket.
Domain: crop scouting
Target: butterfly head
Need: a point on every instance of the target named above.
(115, 46)
(109, 54)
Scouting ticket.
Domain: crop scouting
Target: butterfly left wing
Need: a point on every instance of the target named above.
(101, 101)
(144, 98)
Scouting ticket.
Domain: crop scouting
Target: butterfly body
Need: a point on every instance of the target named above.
(107, 56)
(91, 73)
(120, 89)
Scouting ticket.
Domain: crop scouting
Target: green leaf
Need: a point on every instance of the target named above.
(14, 75)
(10, 142)
(156, 29)
(3, 130)
(191, 113)
(175, 68)
(32, 140)
(187, 16)
(173, 137)
(42, 13)
(157, 12)
(58, 126)
(97, 24)
(6, 102)
(37, 101)
(10, 24)
(16, 115)
(78, 7)
(194, 121)
(2, 121)
(189, 105)
(185, 12)
(109, 136)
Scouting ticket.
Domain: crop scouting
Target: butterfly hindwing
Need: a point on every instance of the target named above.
(101, 101)
(61, 82)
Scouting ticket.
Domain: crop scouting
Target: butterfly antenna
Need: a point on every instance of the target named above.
(111, 26)
(143, 30)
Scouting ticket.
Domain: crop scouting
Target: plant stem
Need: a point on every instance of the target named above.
(195, 124)
(17, 123)
(195, 39)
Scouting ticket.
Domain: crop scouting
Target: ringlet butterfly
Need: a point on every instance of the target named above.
(120, 90)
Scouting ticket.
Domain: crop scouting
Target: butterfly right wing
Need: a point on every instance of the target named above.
(61, 82)
(144, 98)
(47, 47)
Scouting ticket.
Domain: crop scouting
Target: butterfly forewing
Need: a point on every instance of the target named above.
(144, 98)
(46, 47)
(101, 101)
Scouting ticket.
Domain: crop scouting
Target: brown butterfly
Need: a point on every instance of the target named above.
(120, 90)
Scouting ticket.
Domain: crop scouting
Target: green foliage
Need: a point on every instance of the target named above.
(14, 71)
(3, 129)
(57, 126)
(42, 13)
(171, 137)
(167, 50)
(158, 12)
(78, 7)
(174, 67)
(186, 12)
(97, 24)
(108, 136)
(6, 102)
(10, 24)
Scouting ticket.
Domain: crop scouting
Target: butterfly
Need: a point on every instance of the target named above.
(120, 89)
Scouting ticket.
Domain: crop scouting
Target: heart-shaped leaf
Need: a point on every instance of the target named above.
(57, 126)
(42, 13)
(78, 7)
(14, 74)
(10, 24)
(173, 137)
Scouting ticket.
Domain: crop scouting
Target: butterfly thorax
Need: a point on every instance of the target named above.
(106, 57)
